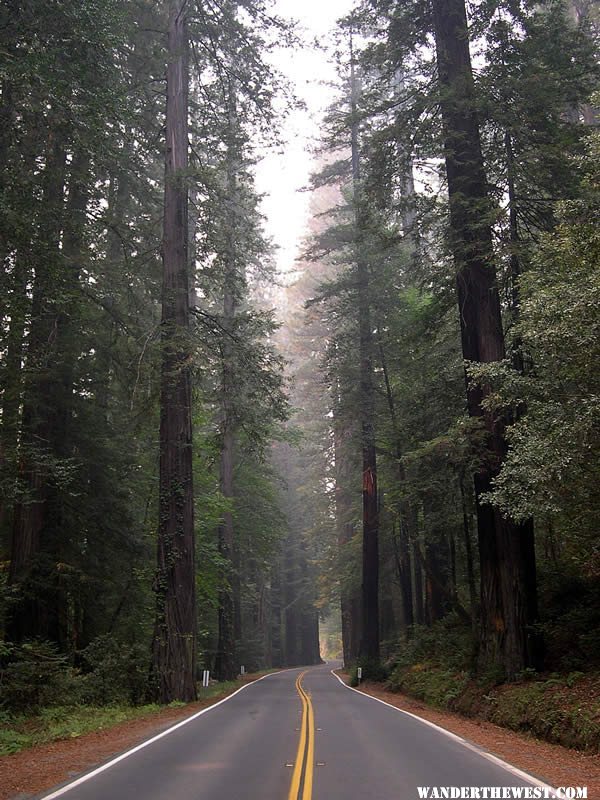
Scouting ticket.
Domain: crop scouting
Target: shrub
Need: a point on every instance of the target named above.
(449, 643)
(33, 674)
(113, 672)
(372, 670)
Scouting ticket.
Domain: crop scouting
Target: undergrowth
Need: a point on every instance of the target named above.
(436, 666)
(44, 698)
(21, 730)
(18, 731)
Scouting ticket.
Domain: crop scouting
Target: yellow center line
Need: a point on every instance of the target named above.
(310, 752)
(305, 757)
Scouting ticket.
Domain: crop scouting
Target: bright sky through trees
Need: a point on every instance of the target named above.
(282, 175)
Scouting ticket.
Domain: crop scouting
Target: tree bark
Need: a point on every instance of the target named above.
(507, 610)
(275, 637)
(369, 647)
(343, 514)
(469, 556)
(229, 595)
(291, 643)
(404, 512)
(419, 616)
(12, 375)
(174, 646)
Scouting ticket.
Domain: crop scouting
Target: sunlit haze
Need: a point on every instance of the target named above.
(280, 176)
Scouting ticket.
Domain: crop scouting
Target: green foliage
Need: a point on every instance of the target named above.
(35, 676)
(374, 670)
(447, 643)
(32, 675)
(79, 402)
(67, 718)
(437, 686)
(65, 722)
(570, 619)
(12, 741)
(552, 467)
(564, 711)
(114, 672)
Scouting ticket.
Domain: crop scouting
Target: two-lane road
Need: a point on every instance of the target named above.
(294, 735)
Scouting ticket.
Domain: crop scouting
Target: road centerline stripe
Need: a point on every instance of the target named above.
(299, 764)
(302, 778)
(310, 752)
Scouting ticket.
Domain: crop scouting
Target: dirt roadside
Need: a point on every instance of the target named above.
(553, 764)
(38, 769)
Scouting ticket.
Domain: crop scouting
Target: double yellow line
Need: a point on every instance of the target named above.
(305, 757)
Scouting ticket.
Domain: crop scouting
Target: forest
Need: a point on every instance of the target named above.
(387, 453)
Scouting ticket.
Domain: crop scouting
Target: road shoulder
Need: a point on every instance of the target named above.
(553, 764)
(38, 769)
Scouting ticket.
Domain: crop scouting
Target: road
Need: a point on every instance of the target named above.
(294, 735)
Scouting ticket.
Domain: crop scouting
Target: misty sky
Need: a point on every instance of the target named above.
(282, 175)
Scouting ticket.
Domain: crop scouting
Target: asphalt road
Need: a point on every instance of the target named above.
(294, 735)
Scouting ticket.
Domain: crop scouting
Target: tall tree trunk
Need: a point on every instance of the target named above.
(226, 664)
(419, 616)
(309, 632)
(48, 407)
(406, 179)
(7, 115)
(343, 515)
(276, 638)
(174, 646)
(349, 599)
(507, 575)
(229, 595)
(526, 551)
(404, 511)
(404, 567)
(32, 574)
(291, 643)
(436, 589)
(13, 386)
(469, 555)
(369, 647)
(435, 562)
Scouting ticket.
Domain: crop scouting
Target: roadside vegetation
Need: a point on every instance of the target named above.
(560, 706)
(44, 699)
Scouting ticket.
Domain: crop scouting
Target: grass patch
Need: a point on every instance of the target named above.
(435, 686)
(216, 689)
(559, 709)
(20, 731)
(64, 722)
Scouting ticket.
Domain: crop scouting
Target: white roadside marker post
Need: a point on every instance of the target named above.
(359, 673)
(205, 677)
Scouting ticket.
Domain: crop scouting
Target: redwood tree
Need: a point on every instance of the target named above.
(174, 646)
(229, 595)
(508, 597)
(369, 647)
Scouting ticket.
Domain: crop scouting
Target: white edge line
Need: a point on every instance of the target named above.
(141, 746)
(519, 773)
